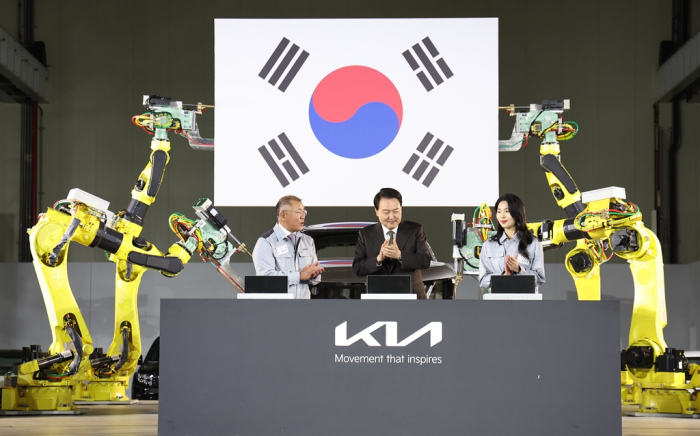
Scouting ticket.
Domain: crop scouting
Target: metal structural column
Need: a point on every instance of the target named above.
(29, 153)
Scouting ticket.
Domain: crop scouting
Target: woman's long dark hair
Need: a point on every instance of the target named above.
(516, 208)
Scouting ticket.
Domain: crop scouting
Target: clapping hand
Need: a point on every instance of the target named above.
(512, 265)
(390, 251)
(310, 271)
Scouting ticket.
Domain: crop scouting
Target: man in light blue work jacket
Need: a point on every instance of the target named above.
(285, 251)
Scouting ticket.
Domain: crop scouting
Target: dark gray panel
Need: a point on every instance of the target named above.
(294, 70)
(273, 58)
(273, 165)
(267, 367)
(435, 148)
(411, 60)
(283, 65)
(293, 153)
(427, 64)
(290, 170)
(421, 169)
(410, 164)
(445, 155)
(430, 46)
(431, 176)
(425, 141)
(444, 68)
(424, 80)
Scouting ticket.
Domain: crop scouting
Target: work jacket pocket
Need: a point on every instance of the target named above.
(305, 252)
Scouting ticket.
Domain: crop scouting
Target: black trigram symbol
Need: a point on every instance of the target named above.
(428, 159)
(291, 53)
(428, 64)
(280, 164)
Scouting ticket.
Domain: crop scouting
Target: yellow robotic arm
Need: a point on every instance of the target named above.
(603, 217)
(653, 375)
(545, 122)
(602, 224)
(74, 370)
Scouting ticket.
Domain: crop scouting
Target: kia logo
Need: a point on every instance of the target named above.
(342, 340)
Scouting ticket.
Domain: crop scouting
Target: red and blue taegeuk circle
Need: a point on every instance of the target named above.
(355, 112)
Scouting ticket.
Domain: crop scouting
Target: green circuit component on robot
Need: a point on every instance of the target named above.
(191, 245)
(472, 249)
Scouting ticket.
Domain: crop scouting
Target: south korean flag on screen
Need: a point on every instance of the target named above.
(334, 110)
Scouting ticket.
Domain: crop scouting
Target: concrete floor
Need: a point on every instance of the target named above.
(141, 419)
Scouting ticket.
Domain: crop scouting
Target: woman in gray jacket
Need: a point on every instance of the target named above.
(513, 249)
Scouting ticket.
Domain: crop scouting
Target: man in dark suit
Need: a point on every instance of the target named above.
(392, 246)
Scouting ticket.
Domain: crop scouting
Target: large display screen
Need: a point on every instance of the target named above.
(332, 110)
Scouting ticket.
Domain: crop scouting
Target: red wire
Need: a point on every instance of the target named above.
(56, 378)
(178, 223)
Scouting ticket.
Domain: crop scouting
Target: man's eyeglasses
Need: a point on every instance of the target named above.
(298, 212)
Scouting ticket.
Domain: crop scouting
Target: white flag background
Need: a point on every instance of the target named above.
(445, 72)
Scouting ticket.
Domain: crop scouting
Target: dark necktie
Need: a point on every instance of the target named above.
(391, 236)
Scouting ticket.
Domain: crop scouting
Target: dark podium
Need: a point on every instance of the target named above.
(336, 368)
